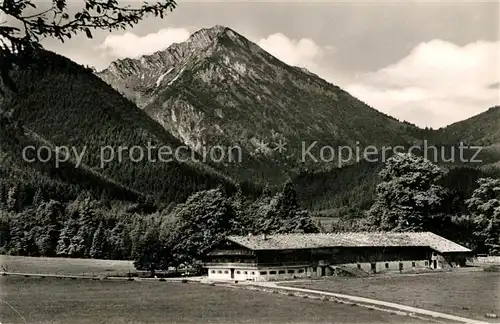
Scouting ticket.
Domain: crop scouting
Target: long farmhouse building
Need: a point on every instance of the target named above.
(287, 256)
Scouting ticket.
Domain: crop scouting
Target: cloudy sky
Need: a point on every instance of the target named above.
(428, 62)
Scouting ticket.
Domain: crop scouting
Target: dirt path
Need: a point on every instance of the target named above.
(369, 302)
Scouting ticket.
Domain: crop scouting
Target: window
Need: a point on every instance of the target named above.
(253, 272)
(426, 263)
(226, 272)
(219, 271)
(263, 273)
(291, 271)
(301, 270)
(246, 272)
(387, 265)
(359, 266)
(413, 264)
(272, 272)
(281, 272)
(400, 266)
(237, 272)
(213, 271)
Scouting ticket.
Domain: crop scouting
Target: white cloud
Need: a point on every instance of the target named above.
(133, 46)
(303, 53)
(438, 83)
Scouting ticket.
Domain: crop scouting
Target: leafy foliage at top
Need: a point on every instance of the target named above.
(20, 38)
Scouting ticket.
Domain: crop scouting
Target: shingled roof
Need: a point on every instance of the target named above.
(349, 239)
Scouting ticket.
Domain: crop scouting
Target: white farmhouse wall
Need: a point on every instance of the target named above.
(285, 273)
(242, 273)
(219, 273)
(388, 266)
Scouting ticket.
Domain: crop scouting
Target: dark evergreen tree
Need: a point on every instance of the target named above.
(119, 242)
(67, 246)
(13, 198)
(38, 198)
(151, 251)
(3, 196)
(50, 215)
(99, 248)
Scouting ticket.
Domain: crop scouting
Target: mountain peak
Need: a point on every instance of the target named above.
(214, 30)
(199, 40)
(206, 37)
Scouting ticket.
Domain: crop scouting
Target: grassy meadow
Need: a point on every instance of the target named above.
(68, 301)
(63, 266)
(470, 294)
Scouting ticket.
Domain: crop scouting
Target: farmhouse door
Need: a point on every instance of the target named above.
(232, 273)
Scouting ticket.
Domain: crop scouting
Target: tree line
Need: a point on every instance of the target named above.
(94, 228)
(409, 197)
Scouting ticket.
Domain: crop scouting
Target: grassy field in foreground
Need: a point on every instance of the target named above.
(468, 294)
(65, 266)
(51, 300)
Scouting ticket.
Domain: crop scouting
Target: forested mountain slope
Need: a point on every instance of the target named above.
(482, 129)
(67, 105)
(64, 183)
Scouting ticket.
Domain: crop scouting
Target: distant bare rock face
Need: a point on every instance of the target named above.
(140, 80)
(220, 88)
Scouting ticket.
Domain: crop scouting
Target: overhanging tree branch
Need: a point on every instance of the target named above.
(55, 22)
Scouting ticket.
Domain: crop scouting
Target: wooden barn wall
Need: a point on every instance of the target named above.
(345, 255)
(229, 252)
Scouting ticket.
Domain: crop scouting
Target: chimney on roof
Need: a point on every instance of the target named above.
(264, 236)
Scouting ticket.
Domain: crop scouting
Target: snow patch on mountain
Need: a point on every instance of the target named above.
(158, 82)
(177, 76)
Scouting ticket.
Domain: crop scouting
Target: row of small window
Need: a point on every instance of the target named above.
(263, 273)
(225, 271)
(413, 264)
(237, 272)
